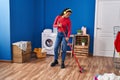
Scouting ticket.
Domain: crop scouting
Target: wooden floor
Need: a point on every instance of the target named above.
(39, 69)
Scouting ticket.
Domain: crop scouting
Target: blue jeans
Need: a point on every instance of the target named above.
(60, 38)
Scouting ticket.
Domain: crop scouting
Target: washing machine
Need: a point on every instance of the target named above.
(48, 41)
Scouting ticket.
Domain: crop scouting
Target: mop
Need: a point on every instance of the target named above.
(81, 69)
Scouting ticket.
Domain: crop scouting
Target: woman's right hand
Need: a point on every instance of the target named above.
(59, 25)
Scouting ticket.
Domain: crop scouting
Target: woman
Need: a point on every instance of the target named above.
(63, 24)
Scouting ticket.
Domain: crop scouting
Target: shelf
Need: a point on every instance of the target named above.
(81, 55)
(78, 48)
(69, 51)
(81, 35)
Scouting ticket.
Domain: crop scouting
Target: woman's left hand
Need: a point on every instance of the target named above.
(67, 39)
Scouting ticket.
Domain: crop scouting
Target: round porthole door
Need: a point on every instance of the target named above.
(48, 43)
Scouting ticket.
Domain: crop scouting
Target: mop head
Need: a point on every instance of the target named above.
(82, 70)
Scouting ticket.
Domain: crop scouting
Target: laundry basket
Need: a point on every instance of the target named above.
(39, 53)
(116, 55)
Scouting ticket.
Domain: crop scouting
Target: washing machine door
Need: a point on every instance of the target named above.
(49, 43)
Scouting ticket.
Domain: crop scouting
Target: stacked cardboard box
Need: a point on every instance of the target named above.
(21, 55)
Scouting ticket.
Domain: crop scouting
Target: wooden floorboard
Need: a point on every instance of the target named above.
(39, 69)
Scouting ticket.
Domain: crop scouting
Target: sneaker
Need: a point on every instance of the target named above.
(54, 63)
(62, 65)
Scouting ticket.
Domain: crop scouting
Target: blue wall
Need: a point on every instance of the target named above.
(17, 20)
(39, 22)
(5, 48)
(83, 15)
(26, 19)
(22, 18)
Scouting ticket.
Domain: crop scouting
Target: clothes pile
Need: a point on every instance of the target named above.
(21, 44)
(107, 76)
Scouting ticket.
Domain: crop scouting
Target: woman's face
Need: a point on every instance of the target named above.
(67, 14)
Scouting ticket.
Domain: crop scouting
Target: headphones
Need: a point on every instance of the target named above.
(67, 11)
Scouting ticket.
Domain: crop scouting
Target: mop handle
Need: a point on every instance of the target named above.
(72, 51)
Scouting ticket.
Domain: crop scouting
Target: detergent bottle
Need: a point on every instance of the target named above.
(83, 30)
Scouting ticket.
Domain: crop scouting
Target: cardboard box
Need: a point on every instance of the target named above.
(20, 55)
(24, 58)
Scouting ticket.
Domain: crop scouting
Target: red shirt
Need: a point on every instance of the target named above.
(66, 24)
